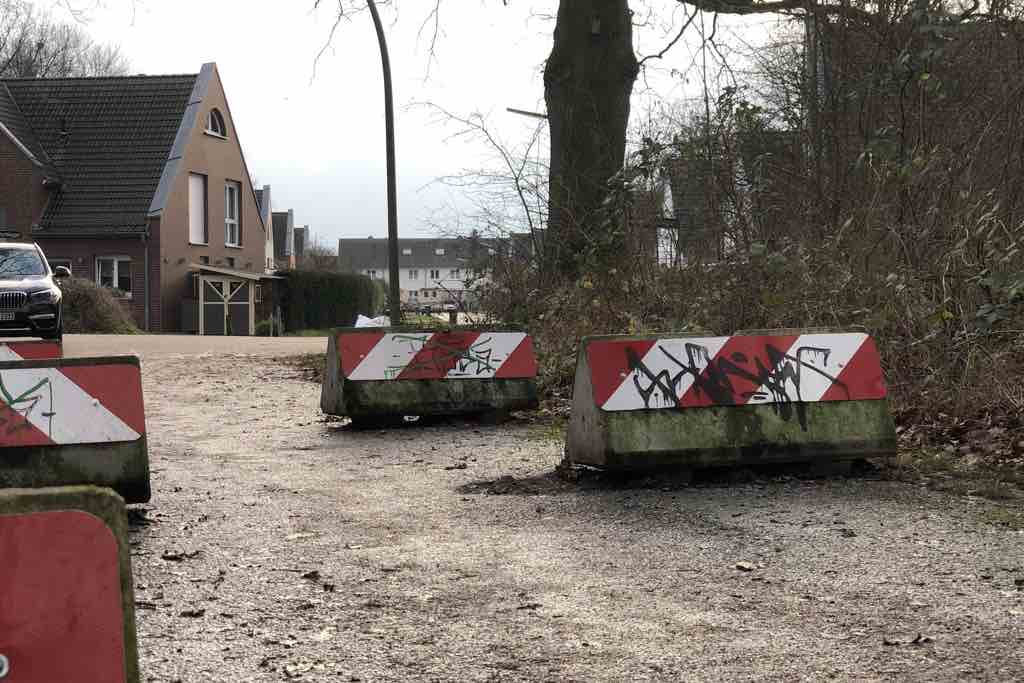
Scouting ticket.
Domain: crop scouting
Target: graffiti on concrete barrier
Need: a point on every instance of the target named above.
(784, 371)
(28, 408)
(734, 379)
(437, 355)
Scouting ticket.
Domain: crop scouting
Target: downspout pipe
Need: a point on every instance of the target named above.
(145, 280)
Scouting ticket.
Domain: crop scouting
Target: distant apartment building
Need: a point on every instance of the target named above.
(431, 271)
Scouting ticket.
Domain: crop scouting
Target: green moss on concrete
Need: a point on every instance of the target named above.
(714, 436)
(435, 397)
(108, 507)
(123, 467)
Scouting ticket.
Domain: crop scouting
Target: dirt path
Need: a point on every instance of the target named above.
(282, 547)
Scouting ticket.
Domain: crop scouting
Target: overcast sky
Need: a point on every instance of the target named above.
(318, 140)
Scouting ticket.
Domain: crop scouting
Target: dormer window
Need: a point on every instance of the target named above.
(215, 124)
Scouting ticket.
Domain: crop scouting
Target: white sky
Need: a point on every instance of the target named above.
(319, 141)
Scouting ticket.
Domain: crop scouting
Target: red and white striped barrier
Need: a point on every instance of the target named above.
(87, 413)
(690, 402)
(68, 610)
(377, 375)
(30, 350)
(71, 404)
(695, 372)
(469, 354)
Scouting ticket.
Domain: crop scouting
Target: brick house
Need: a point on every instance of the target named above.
(138, 183)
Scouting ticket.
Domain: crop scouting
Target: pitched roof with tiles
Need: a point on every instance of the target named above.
(16, 126)
(108, 138)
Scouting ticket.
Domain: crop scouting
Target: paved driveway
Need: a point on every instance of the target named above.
(151, 346)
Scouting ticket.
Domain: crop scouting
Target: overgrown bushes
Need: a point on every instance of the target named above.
(320, 299)
(89, 308)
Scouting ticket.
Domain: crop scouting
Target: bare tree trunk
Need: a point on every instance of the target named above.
(588, 81)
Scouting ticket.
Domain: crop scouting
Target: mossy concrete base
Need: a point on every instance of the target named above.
(123, 467)
(108, 507)
(723, 435)
(381, 399)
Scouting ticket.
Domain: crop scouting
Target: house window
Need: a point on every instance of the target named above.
(407, 252)
(205, 260)
(259, 294)
(215, 124)
(197, 209)
(435, 275)
(414, 294)
(230, 261)
(439, 251)
(414, 274)
(454, 272)
(232, 226)
(55, 262)
(371, 273)
(115, 272)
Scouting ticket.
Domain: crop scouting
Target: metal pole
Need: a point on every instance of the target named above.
(394, 297)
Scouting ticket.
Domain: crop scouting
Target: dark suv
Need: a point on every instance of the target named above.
(29, 298)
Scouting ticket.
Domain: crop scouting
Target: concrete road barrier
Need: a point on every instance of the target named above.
(74, 421)
(30, 350)
(380, 373)
(641, 402)
(67, 611)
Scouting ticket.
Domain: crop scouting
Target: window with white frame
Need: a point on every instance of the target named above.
(197, 209)
(115, 272)
(406, 252)
(454, 272)
(232, 224)
(439, 251)
(435, 274)
(414, 274)
(215, 124)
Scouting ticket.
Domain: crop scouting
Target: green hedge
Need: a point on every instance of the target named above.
(320, 299)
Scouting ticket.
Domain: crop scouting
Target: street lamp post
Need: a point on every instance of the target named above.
(394, 297)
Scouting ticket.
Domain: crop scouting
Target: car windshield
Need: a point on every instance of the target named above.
(15, 263)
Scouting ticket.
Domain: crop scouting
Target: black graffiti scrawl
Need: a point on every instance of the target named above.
(720, 380)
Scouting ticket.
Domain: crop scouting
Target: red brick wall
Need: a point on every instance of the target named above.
(22, 195)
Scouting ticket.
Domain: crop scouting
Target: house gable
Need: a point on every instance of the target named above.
(192, 199)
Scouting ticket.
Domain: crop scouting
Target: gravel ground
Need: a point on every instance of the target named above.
(282, 546)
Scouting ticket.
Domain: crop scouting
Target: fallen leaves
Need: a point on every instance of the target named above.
(179, 556)
(919, 639)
